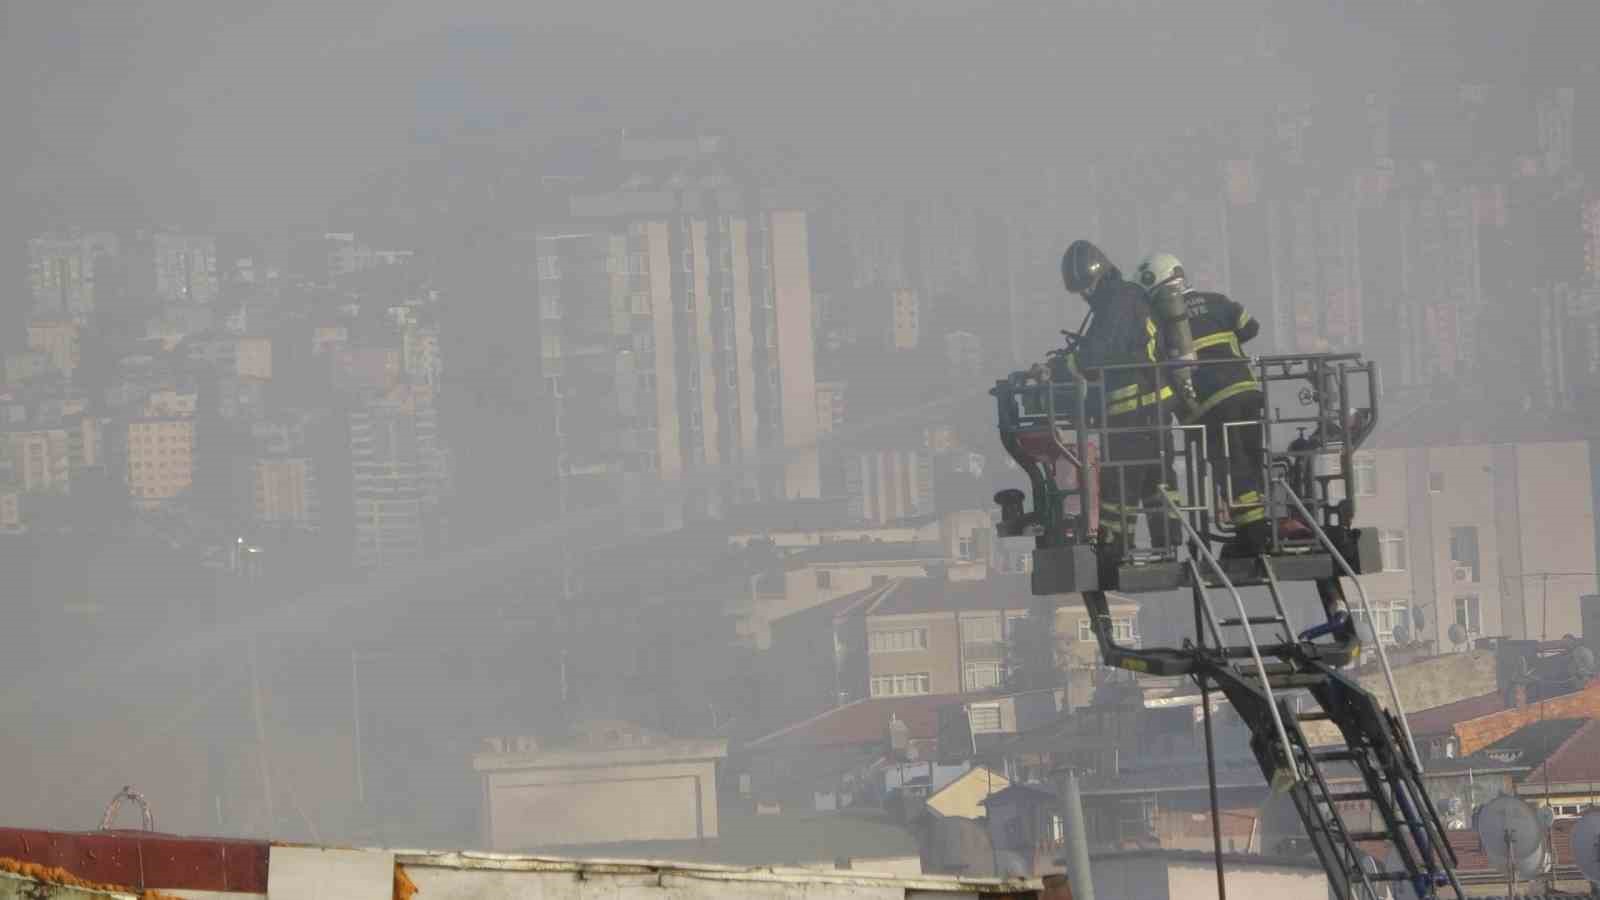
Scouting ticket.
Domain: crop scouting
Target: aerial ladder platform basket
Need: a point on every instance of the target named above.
(1318, 410)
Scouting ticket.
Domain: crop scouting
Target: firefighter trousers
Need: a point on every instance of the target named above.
(1234, 450)
(1131, 478)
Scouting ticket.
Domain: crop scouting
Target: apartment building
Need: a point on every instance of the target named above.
(399, 474)
(161, 456)
(62, 272)
(39, 460)
(823, 563)
(185, 267)
(285, 492)
(1498, 539)
(58, 339)
(912, 636)
(676, 330)
(11, 521)
(889, 485)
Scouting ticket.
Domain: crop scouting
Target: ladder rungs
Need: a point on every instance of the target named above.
(1388, 876)
(1253, 620)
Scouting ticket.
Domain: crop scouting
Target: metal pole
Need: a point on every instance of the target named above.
(1544, 607)
(1078, 875)
(355, 703)
(1211, 752)
(261, 736)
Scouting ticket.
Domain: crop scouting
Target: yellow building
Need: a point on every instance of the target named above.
(907, 323)
(10, 513)
(40, 461)
(160, 459)
(59, 339)
(285, 492)
(255, 358)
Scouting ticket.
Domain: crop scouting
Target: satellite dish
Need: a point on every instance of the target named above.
(1586, 844)
(1402, 634)
(1458, 634)
(1511, 836)
(1418, 617)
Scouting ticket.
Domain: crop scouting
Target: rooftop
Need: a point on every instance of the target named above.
(904, 596)
(863, 722)
(1575, 760)
(843, 552)
(1440, 719)
(1531, 745)
(785, 839)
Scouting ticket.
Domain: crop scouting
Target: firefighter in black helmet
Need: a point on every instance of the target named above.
(1121, 331)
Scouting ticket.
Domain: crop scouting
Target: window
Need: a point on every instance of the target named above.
(1386, 615)
(899, 685)
(1464, 554)
(967, 548)
(1392, 545)
(984, 717)
(1436, 483)
(641, 303)
(1467, 613)
(1015, 623)
(980, 629)
(981, 676)
(549, 268)
(899, 640)
(824, 579)
(1022, 563)
(1365, 475)
(1125, 630)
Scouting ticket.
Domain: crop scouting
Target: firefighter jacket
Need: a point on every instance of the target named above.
(1219, 327)
(1122, 331)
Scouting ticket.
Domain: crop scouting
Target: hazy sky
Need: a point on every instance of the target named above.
(247, 112)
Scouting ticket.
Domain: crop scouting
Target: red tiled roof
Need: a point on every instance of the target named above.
(1471, 858)
(1575, 760)
(1440, 719)
(863, 722)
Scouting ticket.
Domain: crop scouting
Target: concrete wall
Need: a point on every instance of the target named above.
(601, 796)
(1198, 881)
(1422, 685)
(1533, 510)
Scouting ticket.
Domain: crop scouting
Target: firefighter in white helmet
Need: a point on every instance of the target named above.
(1223, 395)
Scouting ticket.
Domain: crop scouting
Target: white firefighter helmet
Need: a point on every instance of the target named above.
(1161, 269)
